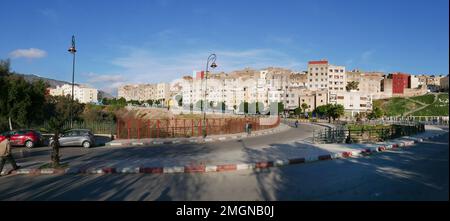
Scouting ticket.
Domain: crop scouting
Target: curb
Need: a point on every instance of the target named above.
(227, 167)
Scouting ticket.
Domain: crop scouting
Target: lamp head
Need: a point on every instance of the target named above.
(72, 50)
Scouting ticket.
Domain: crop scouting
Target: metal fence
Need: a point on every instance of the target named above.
(97, 127)
(166, 128)
(343, 134)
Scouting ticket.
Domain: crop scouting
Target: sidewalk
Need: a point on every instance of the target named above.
(246, 158)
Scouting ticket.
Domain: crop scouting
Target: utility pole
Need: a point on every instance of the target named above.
(72, 50)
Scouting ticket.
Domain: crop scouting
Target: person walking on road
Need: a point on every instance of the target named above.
(296, 123)
(5, 154)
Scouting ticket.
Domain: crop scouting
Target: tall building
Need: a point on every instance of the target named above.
(321, 75)
(400, 81)
(81, 93)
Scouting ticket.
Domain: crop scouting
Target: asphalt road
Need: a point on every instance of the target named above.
(232, 149)
(417, 173)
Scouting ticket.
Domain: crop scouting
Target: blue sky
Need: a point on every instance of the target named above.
(153, 41)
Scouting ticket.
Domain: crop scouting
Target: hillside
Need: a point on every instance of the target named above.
(425, 105)
(53, 83)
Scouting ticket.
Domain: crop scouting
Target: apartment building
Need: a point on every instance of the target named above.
(312, 98)
(353, 102)
(321, 75)
(144, 92)
(81, 93)
(368, 82)
(264, 87)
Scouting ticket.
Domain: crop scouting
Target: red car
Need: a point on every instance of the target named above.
(28, 138)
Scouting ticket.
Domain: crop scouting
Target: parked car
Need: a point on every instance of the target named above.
(75, 137)
(28, 138)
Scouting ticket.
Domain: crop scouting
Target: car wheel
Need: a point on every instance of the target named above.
(86, 144)
(29, 144)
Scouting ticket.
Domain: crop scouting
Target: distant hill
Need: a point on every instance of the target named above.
(53, 83)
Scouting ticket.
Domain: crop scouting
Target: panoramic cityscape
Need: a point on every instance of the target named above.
(162, 104)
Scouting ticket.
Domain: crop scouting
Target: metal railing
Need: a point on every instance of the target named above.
(167, 128)
(344, 134)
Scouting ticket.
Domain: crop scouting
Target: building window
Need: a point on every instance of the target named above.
(331, 70)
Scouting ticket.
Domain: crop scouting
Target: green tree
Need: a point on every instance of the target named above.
(4, 68)
(221, 106)
(376, 113)
(304, 107)
(280, 107)
(336, 111)
(322, 110)
(243, 107)
(352, 85)
(298, 111)
(199, 104)
(21, 102)
(179, 100)
(331, 111)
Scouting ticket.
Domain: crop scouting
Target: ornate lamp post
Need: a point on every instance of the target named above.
(72, 50)
(212, 59)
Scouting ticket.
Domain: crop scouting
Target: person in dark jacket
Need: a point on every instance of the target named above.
(5, 154)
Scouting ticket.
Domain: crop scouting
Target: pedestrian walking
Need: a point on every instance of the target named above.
(246, 127)
(5, 154)
(296, 123)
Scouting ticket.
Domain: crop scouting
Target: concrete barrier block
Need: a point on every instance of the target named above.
(173, 170)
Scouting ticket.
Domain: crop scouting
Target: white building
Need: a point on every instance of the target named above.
(81, 93)
(353, 101)
(144, 92)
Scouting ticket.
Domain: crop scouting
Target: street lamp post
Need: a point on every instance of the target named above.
(72, 50)
(212, 59)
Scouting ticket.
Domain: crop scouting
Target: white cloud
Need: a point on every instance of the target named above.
(28, 53)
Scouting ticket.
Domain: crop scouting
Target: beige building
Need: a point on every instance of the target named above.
(368, 82)
(81, 93)
(322, 75)
(313, 98)
(444, 83)
(144, 92)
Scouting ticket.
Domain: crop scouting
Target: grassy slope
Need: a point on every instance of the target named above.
(440, 108)
(396, 106)
(427, 98)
